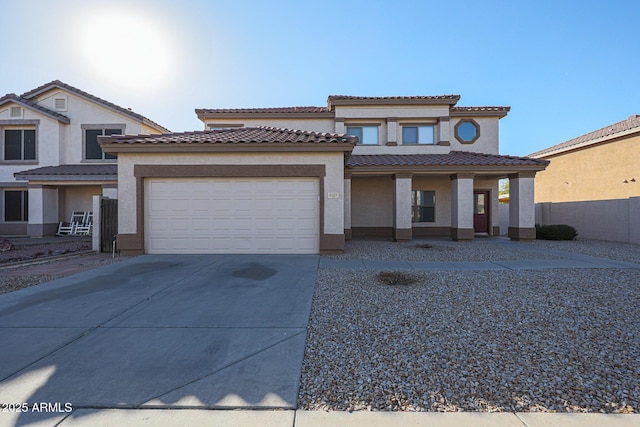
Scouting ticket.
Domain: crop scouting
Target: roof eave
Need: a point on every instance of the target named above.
(441, 169)
(550, 152)
(480, 113)
(42, 110)
(267, 115)
(110, 147)
(392, 101)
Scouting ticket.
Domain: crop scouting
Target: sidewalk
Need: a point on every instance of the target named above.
(195, 417)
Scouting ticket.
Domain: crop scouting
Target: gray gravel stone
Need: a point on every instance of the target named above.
(527, 340)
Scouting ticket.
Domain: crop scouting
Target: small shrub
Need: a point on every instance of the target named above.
(555, 232)
(396, 278)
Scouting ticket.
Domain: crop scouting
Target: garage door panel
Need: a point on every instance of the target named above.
(238, 215)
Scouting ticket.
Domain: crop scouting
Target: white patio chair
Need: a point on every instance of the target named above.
(86, 227)
(69, 229)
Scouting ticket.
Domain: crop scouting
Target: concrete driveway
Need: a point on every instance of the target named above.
(192, 331)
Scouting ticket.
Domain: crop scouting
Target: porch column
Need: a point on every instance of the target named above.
(402, 207)
(462, 206)
(43, 210)
(347, 205)
(110, 191)
(521, 206)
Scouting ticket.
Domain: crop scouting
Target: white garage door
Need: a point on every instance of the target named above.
(231, 215)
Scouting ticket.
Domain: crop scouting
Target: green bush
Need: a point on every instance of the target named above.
(555, 232)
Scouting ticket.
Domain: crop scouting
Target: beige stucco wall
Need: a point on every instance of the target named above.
(442, 186)
(489, 141)
(372, 201)
(47, 141)
(333, 182)
(76, 198)
(593, 173)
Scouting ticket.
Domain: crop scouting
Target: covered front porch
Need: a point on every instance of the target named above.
(56, 192)
(455, 194)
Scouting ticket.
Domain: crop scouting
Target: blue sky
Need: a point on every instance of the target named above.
(565, 67)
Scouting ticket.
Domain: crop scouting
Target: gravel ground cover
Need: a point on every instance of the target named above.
(10, 283)
(527, 341)
(627, 252)
(435, 249)
(31, 249)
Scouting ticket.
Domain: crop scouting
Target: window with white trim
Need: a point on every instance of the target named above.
(423, 206)
(423, 134)
(19, 144)
(367, 135)
(92, 150)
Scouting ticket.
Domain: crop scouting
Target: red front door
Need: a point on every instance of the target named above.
(481, 211)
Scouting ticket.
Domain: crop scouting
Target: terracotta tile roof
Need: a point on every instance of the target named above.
(61, 85)
(248, 135)
(284, 110)
(454, 158)
(12, 97)
(96, 171)
(631, 124)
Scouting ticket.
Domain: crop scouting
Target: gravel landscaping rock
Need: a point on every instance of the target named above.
(599, 248)
(32, 249)
(528, 340)
(438, 250)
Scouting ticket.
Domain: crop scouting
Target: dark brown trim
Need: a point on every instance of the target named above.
(431, 231)
(526, 174)
(402, 176)
(392, 143)
(224, 125)
(456, 176)
(347, 234)
(331, 243)
(495, 230)
(347, 175)
(13, 228)
(443, 143)
(517, 233)
(402, 234)
(372, 232)
(462, 233)
(470, 169)
(462, 141)
(267, 115)
(40, 230)
(132, 244)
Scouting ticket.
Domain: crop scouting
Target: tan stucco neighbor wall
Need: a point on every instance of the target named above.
(594, 173)
(333, 181)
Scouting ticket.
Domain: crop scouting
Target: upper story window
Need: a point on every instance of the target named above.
(19, 144)
(417, 134)
(467, 131)
(367, 135)
(92, 150)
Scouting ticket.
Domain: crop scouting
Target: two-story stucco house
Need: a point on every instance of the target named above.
(51, 163)
(396, 167)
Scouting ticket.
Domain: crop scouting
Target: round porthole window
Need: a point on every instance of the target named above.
(467, 131)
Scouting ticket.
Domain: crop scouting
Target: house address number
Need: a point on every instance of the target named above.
(333, 195)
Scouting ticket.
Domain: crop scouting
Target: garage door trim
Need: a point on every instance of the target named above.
(134, 243)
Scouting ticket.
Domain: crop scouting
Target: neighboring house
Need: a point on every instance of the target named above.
(593, 183)
(51, 163)
(413, 166)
